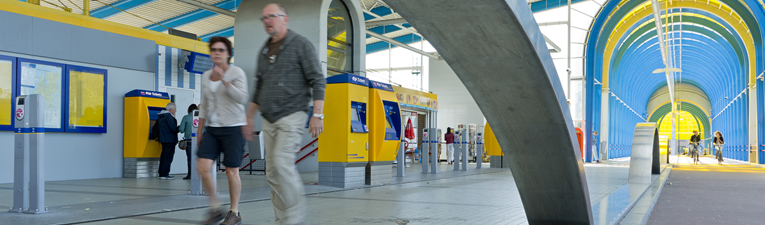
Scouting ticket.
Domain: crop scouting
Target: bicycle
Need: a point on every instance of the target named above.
(694, 148)
(718, 154)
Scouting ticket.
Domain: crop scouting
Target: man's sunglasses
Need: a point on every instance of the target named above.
(270, 17)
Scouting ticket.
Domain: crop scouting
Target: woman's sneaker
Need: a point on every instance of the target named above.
(232, 219)
(213, 216)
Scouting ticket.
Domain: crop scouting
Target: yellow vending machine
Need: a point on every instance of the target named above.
(384, 132)
(496, 156)
(344, 144)
(141, 155)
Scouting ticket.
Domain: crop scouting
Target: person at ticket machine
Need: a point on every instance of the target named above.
(167, 133)
(185, 128)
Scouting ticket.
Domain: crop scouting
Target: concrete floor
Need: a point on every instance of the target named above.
(712, 194)
(97, 199)
(486, 196)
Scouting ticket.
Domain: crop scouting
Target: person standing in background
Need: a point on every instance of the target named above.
(595, 152)
(449, 138)
(185, 128)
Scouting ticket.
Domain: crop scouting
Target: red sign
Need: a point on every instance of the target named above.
(19, 114)
(195, 123)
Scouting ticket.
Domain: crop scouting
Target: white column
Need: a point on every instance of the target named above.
(753, 122)
(605, 96)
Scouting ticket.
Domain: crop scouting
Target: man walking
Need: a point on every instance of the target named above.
(288, 76)
(168, 137)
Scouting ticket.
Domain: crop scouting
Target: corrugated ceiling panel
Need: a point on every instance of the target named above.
(156, 11)
(208, 25)
(75, 5)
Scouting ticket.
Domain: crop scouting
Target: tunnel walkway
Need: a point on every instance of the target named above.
(708, 193)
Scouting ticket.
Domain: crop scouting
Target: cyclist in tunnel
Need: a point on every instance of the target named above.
(695, 139)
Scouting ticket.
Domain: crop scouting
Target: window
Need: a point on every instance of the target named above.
(339, 39)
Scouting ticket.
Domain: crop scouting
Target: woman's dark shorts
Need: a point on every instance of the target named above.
(228, 140)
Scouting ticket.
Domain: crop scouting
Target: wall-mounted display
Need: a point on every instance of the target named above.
(46, 79)
(7, 71)
(75, 96)
(87, 102)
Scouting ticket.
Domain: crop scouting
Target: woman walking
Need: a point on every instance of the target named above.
(718, 143)
(223, 119)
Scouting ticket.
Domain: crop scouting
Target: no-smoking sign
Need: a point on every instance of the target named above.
(19, 114)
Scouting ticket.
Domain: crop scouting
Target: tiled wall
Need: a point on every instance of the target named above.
(169, 75)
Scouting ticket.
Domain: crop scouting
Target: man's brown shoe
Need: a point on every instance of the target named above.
(232, 219)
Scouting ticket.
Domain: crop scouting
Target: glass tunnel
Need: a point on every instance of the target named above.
(718, 47)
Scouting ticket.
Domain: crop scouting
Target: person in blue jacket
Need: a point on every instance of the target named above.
(168, 137)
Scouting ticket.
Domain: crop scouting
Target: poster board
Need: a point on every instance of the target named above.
(87, 99)
(46, 79)
(7, 94)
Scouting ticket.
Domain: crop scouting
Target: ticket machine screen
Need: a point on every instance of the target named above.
(354, 114)
(153, 116)
(359, 117)
(388, 123)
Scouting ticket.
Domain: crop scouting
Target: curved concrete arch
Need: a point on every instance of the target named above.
(509, 72)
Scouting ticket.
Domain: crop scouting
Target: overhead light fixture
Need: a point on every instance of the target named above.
(663, 70)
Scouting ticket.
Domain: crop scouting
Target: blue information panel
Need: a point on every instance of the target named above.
(198, 63)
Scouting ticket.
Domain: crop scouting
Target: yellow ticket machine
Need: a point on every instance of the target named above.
(141, 155)
(491, 145)
(384, 132)
(344, 144)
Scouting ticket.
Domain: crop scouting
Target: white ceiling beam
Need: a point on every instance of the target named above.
(552, 23)
(555, 49)
(376, 23)
(410, 30)
(399, 44)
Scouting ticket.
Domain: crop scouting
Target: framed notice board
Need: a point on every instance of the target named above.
(86, 99)
(7, 91)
